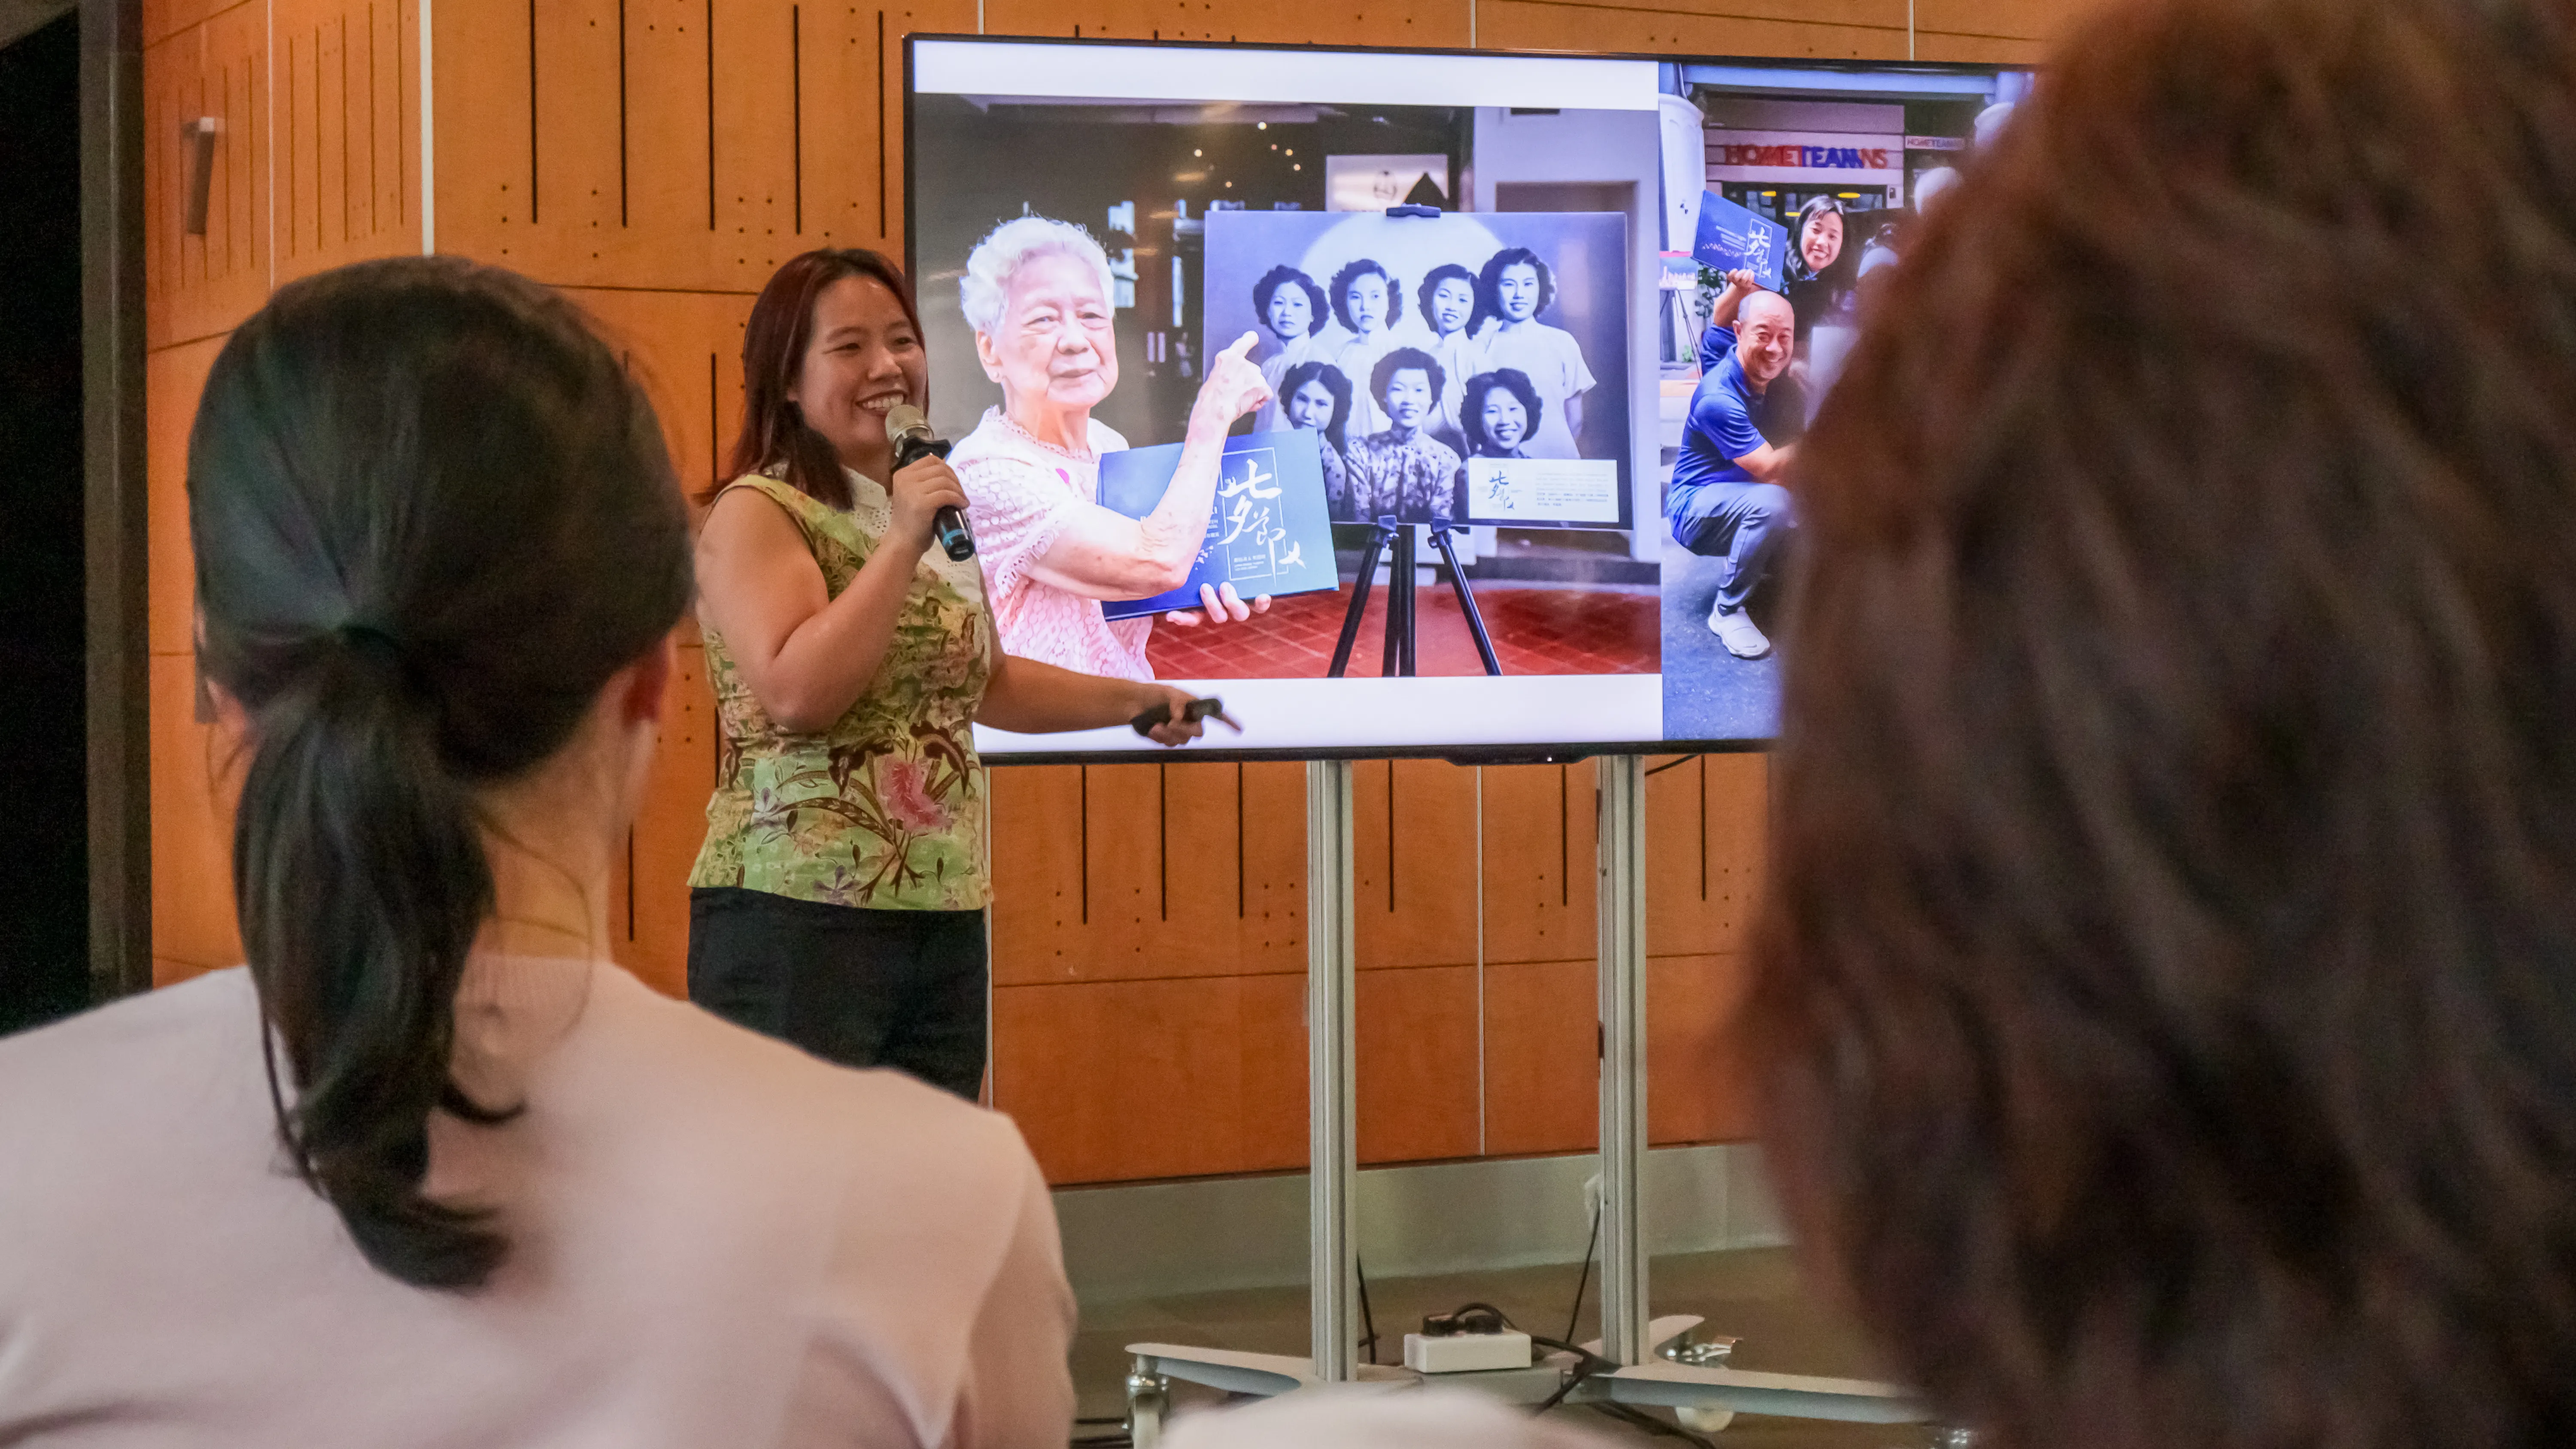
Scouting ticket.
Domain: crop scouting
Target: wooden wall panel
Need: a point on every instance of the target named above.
(172, 379)
(1415, 1054)
(1694, 1092)
(194, 776)
(1148, 872)
(1984, 50)
(1350, 22)
(1120, 1080)
(1705, 818)
(196, 286)
(2040, 20)
(165, 18)
(1540, 824)
(1413, 842)
(686, 350)
(1542, 1057)
(348, 147)
(672, 144)
(1854, 29)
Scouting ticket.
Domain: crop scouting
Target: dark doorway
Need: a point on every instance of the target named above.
(44, 844)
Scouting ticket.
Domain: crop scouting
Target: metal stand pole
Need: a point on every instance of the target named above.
(1690, 1373)
(1624, 1337)
(1333, 1151)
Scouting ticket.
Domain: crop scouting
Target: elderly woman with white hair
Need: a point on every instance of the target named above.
(1037, 293)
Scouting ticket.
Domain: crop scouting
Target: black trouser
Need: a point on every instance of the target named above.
(902, 989)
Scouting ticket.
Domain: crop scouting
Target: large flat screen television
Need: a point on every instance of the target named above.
(1481, 286)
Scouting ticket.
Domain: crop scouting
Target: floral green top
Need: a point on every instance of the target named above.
(886, 808)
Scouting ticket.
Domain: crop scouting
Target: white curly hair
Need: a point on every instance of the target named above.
(985, 289)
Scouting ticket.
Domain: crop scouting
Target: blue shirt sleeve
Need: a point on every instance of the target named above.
(1714, 344)
(1718, 413)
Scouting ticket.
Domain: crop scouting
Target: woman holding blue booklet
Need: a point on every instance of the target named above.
(839, 899)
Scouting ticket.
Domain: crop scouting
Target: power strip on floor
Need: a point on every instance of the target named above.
(1463, 1353)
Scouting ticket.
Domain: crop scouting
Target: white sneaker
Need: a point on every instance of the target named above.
(1736, 630)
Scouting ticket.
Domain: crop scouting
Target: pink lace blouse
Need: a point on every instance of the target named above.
(1024, 493)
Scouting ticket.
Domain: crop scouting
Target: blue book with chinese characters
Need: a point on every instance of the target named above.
(1733, 238)
(1269, 532)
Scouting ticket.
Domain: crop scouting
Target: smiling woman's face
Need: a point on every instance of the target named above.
(863, 358)
(1056, 347)
(1505, 421)
(1517, 290)
(1823, 243)
(1452, 303)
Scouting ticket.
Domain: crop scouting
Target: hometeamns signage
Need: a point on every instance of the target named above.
(1818, 158)
(1806, 158)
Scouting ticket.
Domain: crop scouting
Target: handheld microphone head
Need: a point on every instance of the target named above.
(903, 420)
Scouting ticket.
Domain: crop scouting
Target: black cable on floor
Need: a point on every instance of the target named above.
(1583, 1280)
(1368, 1320)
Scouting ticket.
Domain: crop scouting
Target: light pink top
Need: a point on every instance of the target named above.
(716, 1240)
(1023, 494)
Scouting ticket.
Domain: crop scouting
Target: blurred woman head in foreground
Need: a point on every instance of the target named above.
(2168, 985)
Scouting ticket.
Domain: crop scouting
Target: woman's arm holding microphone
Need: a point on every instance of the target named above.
(1103, 554)
(807, 656)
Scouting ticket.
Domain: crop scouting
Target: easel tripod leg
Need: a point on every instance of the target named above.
(1466, 600)
(1360, 588)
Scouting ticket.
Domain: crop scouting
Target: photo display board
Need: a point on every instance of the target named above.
(1488, 295)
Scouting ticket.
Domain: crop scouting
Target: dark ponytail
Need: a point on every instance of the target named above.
(432, 517)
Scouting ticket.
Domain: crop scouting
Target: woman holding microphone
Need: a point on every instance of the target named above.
(838, 902)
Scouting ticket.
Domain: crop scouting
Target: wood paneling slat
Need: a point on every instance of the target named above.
(1542, 1057)
(1555, 25)
(1037, 874)
(1704, 838)
(2041, 20)
(1539, 882)
(1142, 872)
(195, 286)
(1414, 849)
(699, 149)
(1694, 1090)
(1978, 49)
(649, 928)
(1415, 1044)
(686, 350)
(165, 18)
(172, 379)
(1369, 22)
(1120, 1080)
(193, 780)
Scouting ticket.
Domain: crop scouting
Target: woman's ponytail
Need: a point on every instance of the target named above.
(361, 882)
(433, 518)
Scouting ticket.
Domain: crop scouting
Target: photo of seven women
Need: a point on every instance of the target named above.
(1403, 395)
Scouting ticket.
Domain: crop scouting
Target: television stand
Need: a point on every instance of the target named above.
(1401, 620)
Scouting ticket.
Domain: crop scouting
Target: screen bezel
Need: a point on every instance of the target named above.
(1548, 754)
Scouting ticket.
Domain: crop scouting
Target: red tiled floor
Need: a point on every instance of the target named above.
(1535, 631)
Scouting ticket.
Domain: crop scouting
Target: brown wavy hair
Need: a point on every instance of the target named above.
(774, 431)
(2166, 993)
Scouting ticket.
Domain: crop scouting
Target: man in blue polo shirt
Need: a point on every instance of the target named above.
(1726, 500)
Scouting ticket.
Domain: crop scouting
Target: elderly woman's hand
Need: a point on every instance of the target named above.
(1233, 388)
(1219, 604)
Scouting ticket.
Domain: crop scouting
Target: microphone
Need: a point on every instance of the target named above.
(914, 441)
